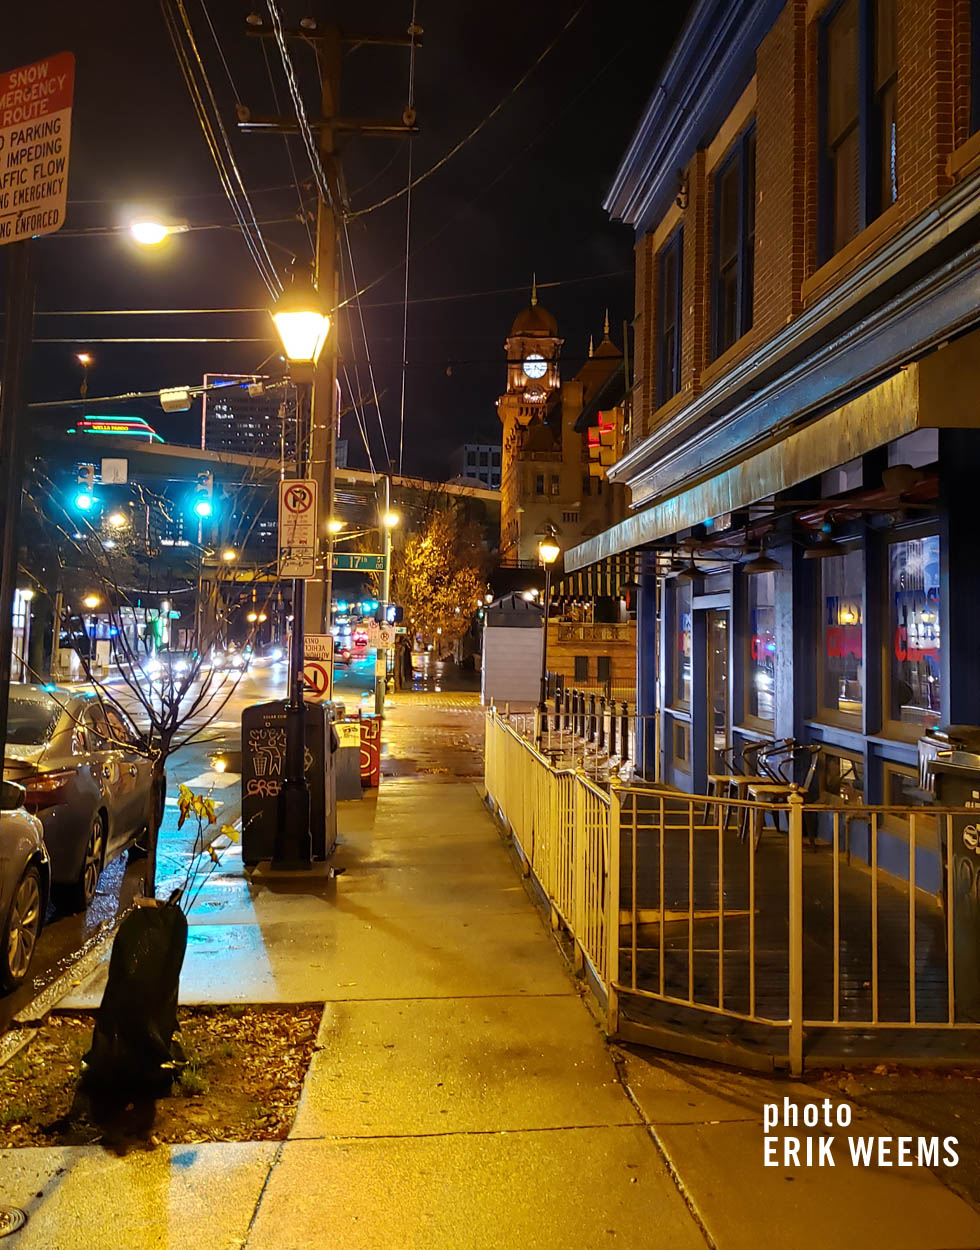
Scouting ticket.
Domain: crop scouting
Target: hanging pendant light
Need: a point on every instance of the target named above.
(762, 563)
(823, 549)
(689, 571)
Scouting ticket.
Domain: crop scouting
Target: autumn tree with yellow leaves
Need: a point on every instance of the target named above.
(439, 577)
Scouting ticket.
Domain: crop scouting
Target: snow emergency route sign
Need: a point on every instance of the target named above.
(35, 132)
(297, 527)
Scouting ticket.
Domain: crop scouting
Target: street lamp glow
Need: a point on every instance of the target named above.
(252, 616)
(84, 359)
(390, 520)
(118, 521)
(26, 594)
(548, 551)
(335, 525)
(91, 601)
(301, 320)
(229, 555)
(149, 233)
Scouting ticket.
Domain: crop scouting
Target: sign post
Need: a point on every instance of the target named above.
(35, 130)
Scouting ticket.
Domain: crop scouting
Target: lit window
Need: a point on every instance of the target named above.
(760, 682)
(842, 634)
(915, 655)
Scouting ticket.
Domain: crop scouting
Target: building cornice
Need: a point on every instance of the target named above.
(710, 66)
(832, 349)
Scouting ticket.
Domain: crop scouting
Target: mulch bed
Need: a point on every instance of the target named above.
(242, 1082)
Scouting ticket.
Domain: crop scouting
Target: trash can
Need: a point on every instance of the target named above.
(263, 772)
(954, 770)
(371, 751)
(349, 759)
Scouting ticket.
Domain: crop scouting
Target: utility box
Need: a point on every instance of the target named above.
(371, 751)
(512, 640)
(954, 770)
(264, 771)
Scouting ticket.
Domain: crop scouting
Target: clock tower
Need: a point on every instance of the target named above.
(529, 411)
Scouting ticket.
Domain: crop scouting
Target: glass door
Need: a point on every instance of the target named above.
(718, 719)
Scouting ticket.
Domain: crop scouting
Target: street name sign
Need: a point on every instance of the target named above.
(297, 527)
(358, 562)
(35, 132)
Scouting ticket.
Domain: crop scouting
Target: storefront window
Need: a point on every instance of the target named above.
(842, 778)
(682, 643)
(915, 653)
(841, 651)
(760, 684)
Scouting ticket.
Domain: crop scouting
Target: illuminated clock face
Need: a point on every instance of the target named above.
(535, 366)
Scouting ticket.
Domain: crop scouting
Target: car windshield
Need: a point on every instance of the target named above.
(31, 722)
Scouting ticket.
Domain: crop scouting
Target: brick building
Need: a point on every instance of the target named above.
(804, 188)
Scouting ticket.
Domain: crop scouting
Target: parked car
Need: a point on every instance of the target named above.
(25, 879)
(341, 653)
(88, 778)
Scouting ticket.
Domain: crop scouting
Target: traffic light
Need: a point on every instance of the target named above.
(203, 504)
(85, 493)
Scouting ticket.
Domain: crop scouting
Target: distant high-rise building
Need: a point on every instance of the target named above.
(480, 461)
(244, 414)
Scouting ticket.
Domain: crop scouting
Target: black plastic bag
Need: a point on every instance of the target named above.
(133, 1044)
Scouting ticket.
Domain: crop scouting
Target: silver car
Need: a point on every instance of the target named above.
(87, 777)
(25, 877)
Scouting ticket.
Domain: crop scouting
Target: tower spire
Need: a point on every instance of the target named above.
(605, 325)
(534, 289)
(591, 347)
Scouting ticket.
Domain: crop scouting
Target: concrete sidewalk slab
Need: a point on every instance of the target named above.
(184, 1197)
(459, 1065)
(737, 1197)
(568, 1189)
(322, 953)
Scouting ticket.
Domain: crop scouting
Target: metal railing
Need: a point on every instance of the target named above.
(783, 916)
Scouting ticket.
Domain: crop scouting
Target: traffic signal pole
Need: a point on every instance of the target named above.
(19, 329)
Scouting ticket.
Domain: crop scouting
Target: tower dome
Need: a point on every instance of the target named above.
(534, 321)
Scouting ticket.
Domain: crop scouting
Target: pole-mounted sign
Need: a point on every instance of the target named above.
(35, 134)
(297, 527)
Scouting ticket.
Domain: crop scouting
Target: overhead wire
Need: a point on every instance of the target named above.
(443, 160)
(408, 240)
(289, 152)
(364, 337)
(216, 140)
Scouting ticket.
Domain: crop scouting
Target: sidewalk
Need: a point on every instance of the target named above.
(461, 1096)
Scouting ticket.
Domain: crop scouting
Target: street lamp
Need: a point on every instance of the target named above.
(389, 520)
(229, 556)
(334, 525)
(85, 359)
(301, 320)
(548, 552)
(118, 521)
(151, 232)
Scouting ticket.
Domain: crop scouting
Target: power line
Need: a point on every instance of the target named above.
(367, 350)
(410, 111)
(217, 142)
(289, 150)
(478, 127)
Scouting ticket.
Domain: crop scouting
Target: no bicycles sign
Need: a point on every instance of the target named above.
(297, 527)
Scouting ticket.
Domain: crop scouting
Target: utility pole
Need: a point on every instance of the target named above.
(19, 323)
(329, 44)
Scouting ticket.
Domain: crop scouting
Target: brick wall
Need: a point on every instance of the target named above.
(933, 118)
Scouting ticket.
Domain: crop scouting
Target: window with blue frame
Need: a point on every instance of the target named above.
(858, 118)
(669, 317)
(734, 211)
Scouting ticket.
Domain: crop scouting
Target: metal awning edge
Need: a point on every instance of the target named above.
(884, 413)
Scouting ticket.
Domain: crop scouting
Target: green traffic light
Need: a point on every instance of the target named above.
(203, 508)
(83, 500)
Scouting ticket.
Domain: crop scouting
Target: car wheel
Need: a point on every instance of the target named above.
(21, 930)
(78, 894)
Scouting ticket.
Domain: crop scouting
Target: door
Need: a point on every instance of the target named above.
(718, 711)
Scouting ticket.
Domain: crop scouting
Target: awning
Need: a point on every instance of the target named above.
(884, 413)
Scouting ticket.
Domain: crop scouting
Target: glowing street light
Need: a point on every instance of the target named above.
(91, 602)
(302, 322)
(150, 233)
(390, 520)
(229, 555)
(548, 553)
(335, 525)
(118, 520)
(27, 594)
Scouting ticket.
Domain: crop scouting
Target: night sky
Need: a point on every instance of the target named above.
(524, 195)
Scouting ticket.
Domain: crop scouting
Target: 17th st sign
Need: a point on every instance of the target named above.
(35, 133)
